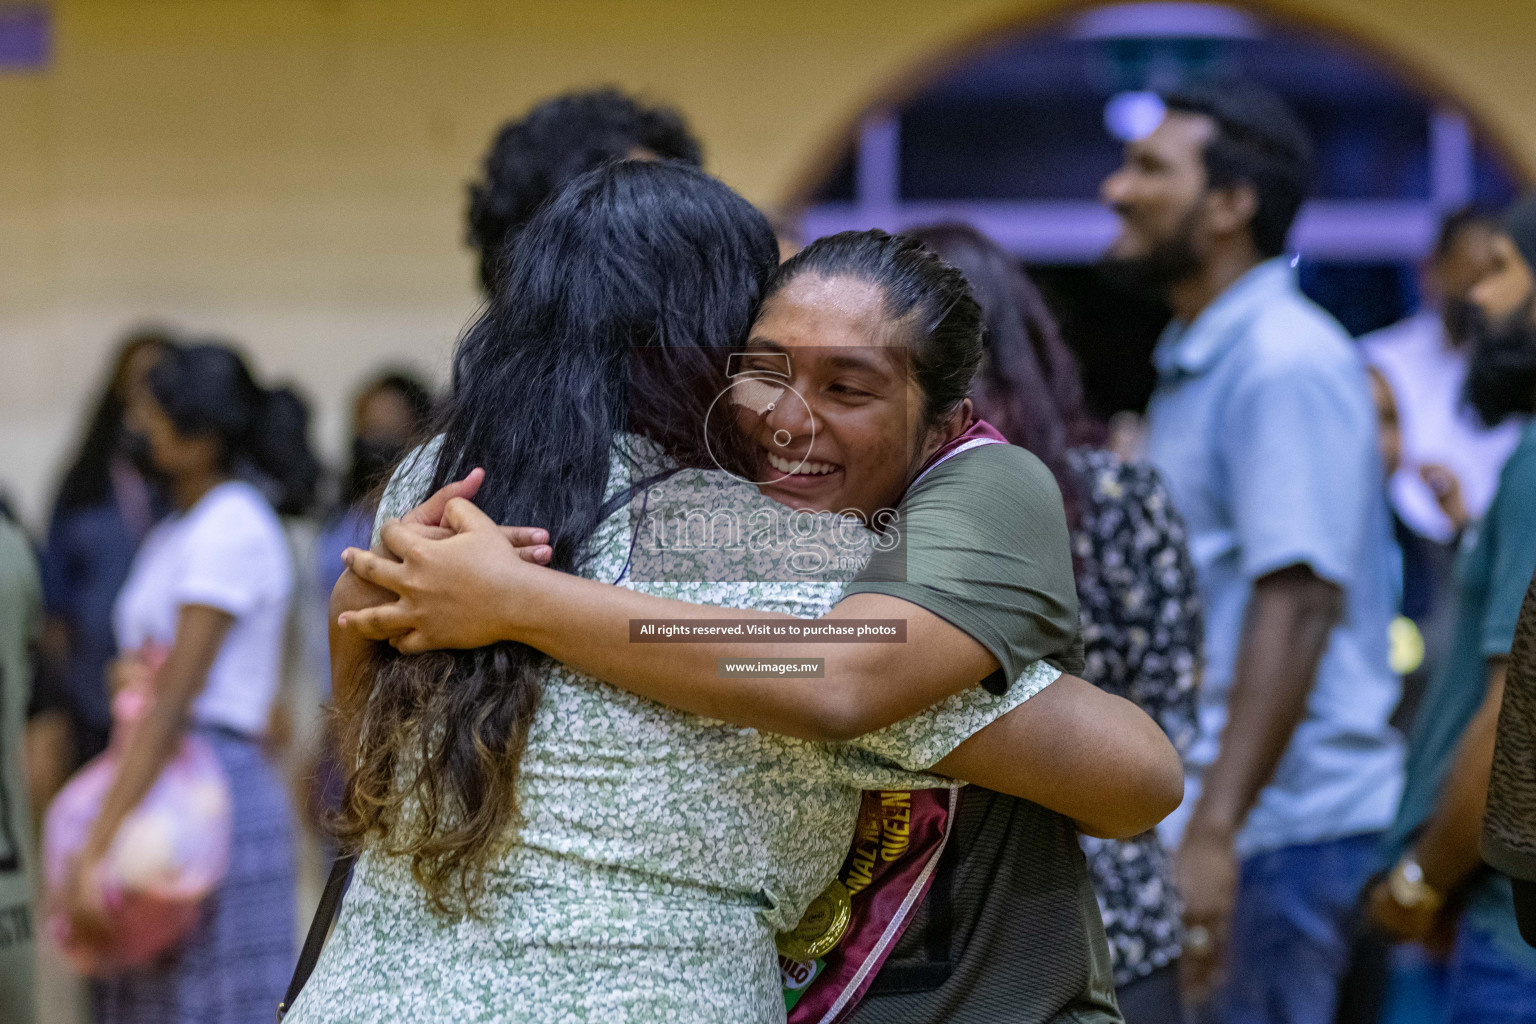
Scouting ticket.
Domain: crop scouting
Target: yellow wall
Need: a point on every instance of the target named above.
(291, 172)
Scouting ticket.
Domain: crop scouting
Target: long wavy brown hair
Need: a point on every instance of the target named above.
(631, 258)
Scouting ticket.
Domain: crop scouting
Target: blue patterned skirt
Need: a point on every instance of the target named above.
(234, 967)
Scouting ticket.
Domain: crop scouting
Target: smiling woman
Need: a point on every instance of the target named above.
(868, 340)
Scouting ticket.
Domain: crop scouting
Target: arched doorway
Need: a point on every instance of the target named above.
(1016, 135)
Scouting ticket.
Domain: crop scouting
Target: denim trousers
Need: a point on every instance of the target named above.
(1486, 984)
(1293, 925)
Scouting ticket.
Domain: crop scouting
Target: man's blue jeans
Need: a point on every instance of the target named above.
(1292, 929)
(1486, 984)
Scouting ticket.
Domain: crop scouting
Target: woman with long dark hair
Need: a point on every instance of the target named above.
(105, 505)
(622, 861)
(201, 622)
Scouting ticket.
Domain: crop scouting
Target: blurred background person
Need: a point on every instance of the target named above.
(1424, 360)
(1438, 883)
(558, 139)
(1406, 647)
(107, 502)
(791, 240)
(1263, 428)
(1450, 461)
(204, 612)
(1389, 424)
(390, 412)
(1386, 984)
(20, 620)
(1140, 607)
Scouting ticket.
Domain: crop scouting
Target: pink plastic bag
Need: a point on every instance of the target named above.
(170, 853)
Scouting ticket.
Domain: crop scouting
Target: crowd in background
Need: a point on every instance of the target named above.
(1302, 522)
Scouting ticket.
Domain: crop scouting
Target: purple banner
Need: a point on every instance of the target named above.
(25, 38)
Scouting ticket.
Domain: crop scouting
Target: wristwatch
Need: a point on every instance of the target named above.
(1410, 891)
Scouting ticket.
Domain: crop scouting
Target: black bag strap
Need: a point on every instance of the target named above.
(319, 929)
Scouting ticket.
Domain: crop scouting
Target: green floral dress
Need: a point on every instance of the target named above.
(659, 852)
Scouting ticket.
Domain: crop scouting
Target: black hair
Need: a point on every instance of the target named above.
(633, 255)
(371, 459)
(1258, 142)
(88, 480)
(205, 388)
(555, 141)
(411, 390)
(1501, 366)
(1029, 386)
(1457, 223)
(927, 296)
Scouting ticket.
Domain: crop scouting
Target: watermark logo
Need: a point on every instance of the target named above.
(724, 526)
(760, 385)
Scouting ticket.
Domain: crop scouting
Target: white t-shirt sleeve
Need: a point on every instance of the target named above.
(229, 561)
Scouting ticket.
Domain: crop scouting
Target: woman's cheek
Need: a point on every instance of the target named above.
(882, 465)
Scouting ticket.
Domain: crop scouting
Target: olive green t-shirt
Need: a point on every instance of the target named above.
(1010, 929)
(983, 544)
(19, 609)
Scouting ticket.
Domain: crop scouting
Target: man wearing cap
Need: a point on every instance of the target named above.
(1438, 882)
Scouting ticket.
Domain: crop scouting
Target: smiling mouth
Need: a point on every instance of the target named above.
(799, 467)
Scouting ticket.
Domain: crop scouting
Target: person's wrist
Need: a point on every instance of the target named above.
(1211, 828)
(1411, 889)
(521, 601)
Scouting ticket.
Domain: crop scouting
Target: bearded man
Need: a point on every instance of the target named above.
(1263, 427)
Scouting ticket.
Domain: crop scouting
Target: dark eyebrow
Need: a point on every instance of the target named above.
(757, 341)
(852, 360)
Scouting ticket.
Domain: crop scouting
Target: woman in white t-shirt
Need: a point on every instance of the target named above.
(204, 610)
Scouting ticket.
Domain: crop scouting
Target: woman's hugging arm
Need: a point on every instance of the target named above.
(349, 649)
(1094, 757)
(982, 578)
(474, 589)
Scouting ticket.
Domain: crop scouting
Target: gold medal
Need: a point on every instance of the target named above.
(822, 926)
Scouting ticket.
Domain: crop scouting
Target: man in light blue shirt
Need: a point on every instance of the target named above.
(1263, 427)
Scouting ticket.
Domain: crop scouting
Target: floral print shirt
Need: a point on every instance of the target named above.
(1142, 633)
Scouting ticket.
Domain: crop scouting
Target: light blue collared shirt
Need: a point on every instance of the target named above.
(1264, 429)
